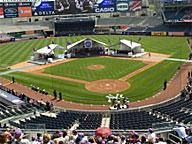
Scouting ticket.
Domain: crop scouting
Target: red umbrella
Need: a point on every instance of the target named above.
(103, 131)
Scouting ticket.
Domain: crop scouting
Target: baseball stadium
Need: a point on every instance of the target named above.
(96, 72)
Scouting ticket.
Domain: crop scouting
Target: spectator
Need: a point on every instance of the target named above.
(47, 139)
(151, 136)
(19, 138)
(3, 139)
(181, 131)
(34, 141)
(13, 79)
(165, 84)
(60, 96)
(55, 94)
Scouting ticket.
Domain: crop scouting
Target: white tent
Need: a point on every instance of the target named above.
(49, 49)
(133, 49)
(46, 54)
(86, 47)
(80, 41)
(130, 45)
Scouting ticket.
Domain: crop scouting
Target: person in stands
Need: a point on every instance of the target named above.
(181, 131)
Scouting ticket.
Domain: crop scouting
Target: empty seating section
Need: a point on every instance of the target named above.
(136, 21)
(66, 120)
(15, 110)
(133, 120)
(179, 110)
(178, 14)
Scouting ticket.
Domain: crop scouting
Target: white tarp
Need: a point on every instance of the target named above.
(130, 44)
(48, 49)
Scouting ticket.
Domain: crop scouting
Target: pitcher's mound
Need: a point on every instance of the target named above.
(95, 67)
(107, 86)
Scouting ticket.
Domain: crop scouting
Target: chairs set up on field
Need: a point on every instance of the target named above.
(37, 89)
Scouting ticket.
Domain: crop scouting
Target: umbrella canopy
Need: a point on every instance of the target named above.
(103, 131)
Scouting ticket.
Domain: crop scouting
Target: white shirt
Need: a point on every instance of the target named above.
(181, 132)
(151, 137)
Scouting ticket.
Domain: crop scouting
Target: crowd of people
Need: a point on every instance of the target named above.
(17, 136)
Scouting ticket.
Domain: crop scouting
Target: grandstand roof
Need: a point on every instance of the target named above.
(18, 28)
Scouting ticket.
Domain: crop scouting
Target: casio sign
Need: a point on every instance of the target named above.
(102, 10)
(10, 10)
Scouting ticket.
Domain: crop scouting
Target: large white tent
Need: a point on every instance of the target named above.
(86, 47)
(47, 54)
(133, 48)
(48, 49)
(130, 45)
(99, 43)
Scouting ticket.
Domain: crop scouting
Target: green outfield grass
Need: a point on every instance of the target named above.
(114, 68)
(143, 85)
(16, 52)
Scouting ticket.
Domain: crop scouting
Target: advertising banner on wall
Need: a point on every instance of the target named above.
(10, 10)
(176, 33)
(24, 9)
(158, 33)
(128, 5)
(43, 8)
(135, 5)
(85, 6)
(1, 11)
(105, 6)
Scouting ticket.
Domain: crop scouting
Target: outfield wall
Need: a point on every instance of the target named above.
(180, 34)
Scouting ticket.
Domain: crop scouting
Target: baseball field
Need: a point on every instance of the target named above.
(82, 80)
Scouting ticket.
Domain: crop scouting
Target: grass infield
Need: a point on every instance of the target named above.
(113, 68)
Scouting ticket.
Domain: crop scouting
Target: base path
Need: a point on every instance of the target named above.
(37, 67)
(59, 77)
(149, 64)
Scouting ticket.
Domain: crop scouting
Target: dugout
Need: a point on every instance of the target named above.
(86, 47)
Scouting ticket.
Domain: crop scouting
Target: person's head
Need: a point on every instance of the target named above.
(91, 140)
(33, 138)
(150, 130)
(18, 134)
(46, 138)
(74, 132)
(64, 133)
(2, 139)
(61, 142)
(143, 139)
(123, 138)
(7, 135)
